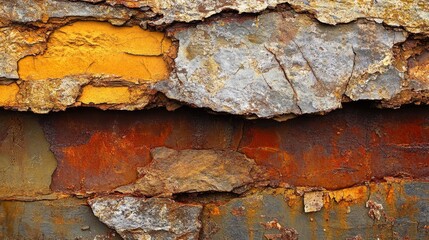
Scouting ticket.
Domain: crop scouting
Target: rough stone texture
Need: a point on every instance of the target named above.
(16, 43)
(100, 151)
(411, 14)
(280, 63)
(154, 218)
(119, 60)
(59, 219)
(24, 11)
(26, 164)
(313, 201)
(187, 171)
(344, 215)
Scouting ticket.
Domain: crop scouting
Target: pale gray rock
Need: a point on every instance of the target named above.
(282, 63)
(182, 171)
(23, 11)
(154, 218)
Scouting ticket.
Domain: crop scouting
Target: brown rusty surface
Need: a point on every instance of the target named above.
(97, 151)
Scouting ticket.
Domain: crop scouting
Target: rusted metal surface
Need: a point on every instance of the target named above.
(98, 151)
(268, 214)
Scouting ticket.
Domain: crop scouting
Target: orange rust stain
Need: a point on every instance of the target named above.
(8, 94)
(215, 211)
(100, 95)
(339, 150)
(97, 48)
(108, 159)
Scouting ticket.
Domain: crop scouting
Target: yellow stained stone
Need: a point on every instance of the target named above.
(108, 95)
(98, 48)
(8, 94)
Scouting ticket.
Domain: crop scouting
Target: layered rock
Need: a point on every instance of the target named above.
(413, 15)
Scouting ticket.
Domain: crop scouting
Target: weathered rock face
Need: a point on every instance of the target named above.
(183, 171)
(88, 61)
(287, 63)
(282, 63)
(154, 218)
(356, 173)
(413, 15)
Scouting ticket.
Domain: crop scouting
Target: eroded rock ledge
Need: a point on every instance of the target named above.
(280, 62)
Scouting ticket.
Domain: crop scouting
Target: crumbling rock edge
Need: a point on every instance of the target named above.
(380, 78)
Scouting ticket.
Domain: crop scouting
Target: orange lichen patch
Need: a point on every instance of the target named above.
(8, 94)
(97, 48)
(108, 95)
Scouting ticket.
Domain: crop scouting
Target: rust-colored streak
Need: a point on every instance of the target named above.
(97, 151)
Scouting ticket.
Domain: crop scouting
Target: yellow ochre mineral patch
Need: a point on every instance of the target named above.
(100, 49)
(100, 95)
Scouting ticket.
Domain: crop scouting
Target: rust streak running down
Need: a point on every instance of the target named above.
(99, 151)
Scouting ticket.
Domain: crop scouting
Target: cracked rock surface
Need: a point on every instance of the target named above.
(154, 218)
(282, 63)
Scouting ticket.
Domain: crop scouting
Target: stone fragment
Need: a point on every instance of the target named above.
(153, 218)
(375, 209)
(26, 162)
(100, 151)
(183, 171)
(282, 63)
(53, 219)
(313, 201)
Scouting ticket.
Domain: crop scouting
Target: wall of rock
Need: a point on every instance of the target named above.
(256, 119)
